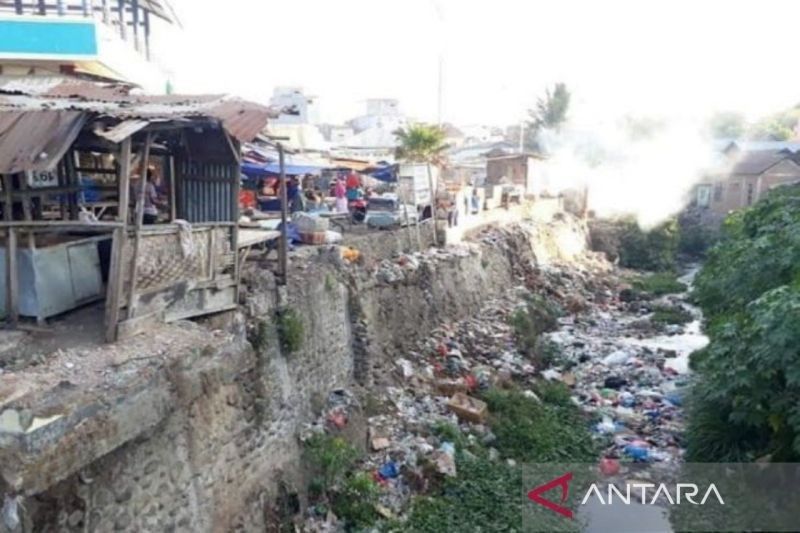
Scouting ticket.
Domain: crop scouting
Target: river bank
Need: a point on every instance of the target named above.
(608, 350)
(629, 370)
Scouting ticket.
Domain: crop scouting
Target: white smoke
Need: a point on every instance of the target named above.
(642, 168)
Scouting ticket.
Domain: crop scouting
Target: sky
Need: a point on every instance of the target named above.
(676, 58)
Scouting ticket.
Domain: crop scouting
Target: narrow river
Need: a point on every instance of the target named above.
(630, 374)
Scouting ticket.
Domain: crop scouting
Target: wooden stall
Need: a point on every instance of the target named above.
(183, 265)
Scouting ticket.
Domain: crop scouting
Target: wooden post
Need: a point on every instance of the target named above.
(116, 272)
(235, 211)
(140, 199)
(173, 193)
(18, 7)
(283, 250)
(61, 8)
(26, 206)
(42, 7)
(433, 203)
(12, 278)
(72, 181)
(11, 252)
(12, 287)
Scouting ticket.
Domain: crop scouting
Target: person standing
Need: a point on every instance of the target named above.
(340, 192)
(151, 198)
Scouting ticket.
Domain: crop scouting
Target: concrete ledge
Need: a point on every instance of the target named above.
(49, 433)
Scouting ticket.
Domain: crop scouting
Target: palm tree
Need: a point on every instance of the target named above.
(422, 143)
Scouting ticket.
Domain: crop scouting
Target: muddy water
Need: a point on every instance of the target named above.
(642, 420)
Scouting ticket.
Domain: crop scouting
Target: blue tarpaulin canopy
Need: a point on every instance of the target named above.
(387, 173)
(274, 169)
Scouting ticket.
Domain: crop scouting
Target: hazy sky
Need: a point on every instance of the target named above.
(658, 57)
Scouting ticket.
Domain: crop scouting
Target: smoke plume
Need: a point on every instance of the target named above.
(640, 167)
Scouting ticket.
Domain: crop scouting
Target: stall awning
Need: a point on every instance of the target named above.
(274, 169)
(387, 173)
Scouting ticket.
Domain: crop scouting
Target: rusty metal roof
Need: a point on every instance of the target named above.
(61, 86)
(35, 128)
(240, 118)
(36, 141)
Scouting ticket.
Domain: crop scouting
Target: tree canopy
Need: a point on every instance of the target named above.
(550, 113)
(745, 402)
(727, 125)
(421, 143)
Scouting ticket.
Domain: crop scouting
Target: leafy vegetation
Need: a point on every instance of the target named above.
(727, 125)
(554, 393)
(654, 249)
(537, 316)
(329, 458)
(746, 401)
(290, 330)
(487, 494)
(535, 432)
(664, 315)
(355, 501)
(696, 234)
(659, 284)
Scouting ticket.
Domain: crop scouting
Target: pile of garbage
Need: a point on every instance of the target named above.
(628, 379)
(631, 380)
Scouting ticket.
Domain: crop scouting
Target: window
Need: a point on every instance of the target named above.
(717, 192)
(703, 195)
(750, 191)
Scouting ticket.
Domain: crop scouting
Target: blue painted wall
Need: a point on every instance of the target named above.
(47, 38)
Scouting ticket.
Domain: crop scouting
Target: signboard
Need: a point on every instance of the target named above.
(45, 38)
(42, 179)
(413, 185)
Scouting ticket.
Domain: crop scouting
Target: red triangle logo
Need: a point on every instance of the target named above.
(535, 495)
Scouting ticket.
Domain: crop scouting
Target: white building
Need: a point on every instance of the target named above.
(305, 106)
(108, 41)
(381, 113)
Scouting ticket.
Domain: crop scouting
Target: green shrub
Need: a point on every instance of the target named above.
(329, 458)
(355, 501)
(290, 330)
(451, 433)
(535, 432)
(553, 393)
(696, 238)
(537, 316)
(664, 315)
(745, 402)
(653, 249)
(486, 496)
(260, 336)
(659, 284)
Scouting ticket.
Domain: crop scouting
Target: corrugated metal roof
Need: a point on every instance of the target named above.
(240, 118)
(60, 86)
(36, 141)
(36, 130)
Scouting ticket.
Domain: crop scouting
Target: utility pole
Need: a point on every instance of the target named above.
(440, 89)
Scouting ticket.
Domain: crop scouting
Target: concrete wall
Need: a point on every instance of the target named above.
(227, 439)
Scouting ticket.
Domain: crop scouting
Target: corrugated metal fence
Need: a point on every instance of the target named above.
(206, 191)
